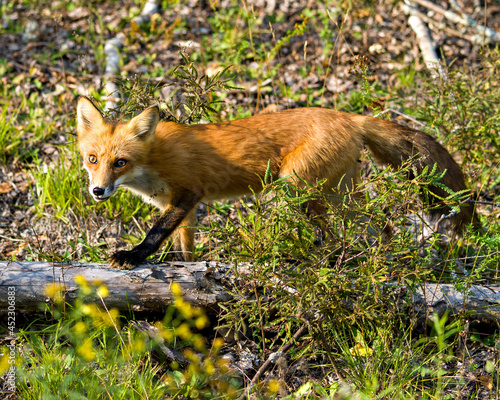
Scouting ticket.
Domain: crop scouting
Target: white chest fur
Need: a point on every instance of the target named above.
(147, 184)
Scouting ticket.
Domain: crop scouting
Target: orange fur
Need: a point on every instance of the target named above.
(176, 166)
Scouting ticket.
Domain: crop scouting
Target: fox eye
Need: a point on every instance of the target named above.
(93, 159)
(120, 163)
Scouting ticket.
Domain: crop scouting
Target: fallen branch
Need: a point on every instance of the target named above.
(425, 43)
(485, 34)
(274, 356)
(438, 25)
(146, 288)
(112, 53)
(204, 284)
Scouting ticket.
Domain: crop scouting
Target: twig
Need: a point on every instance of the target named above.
(408, 117)
(485, 34)
(441, 26)
(274, 356)
(112, 53)
(425, 42)
(487, 203)
(154, 333)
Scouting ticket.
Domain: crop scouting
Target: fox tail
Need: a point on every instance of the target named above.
(393, 144)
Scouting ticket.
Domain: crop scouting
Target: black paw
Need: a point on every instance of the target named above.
(125, 259)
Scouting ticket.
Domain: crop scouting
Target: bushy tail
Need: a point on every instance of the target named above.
(394, 144)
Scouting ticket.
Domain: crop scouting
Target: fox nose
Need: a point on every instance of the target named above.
(98, 191)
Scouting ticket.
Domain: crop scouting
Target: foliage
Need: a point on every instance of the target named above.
(341, 281)
(86, 353)
(465, 112)
(350, 289)
(194, 95)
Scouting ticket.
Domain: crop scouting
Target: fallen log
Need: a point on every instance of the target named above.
(481, 303)
(145, 288)
(204, 284)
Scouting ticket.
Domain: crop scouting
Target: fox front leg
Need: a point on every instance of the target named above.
(173, 215)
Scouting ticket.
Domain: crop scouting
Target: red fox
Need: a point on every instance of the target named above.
(176, 166)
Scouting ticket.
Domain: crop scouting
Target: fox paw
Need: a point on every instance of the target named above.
(125, 260)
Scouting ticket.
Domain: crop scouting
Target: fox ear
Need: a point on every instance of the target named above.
(88, 116)
(144, 124)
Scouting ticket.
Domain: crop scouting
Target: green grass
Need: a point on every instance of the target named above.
(86, 353)
(16, 144)
(60, 193)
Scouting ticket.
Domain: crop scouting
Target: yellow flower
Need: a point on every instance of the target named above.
(184, 332)
(198, 312)
(176, 289)
(209, 367)
(80, 327)
(114, 314)
(103, 319)
(361, 351)
(109, 318)
(86, 350)
(167, 334)
(222, 364)
(138, 345)
(202, 322)
(193, 369)
(191, 356)
(184, 307)
(274, 386)
(54, 291)
(81, 280)
(199, 343)
(86, 309)
(103, 291)
(164, 332)
(217, 343)
(4, 362)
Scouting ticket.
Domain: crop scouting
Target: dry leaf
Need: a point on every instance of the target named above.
(486, 381)
(5, 187)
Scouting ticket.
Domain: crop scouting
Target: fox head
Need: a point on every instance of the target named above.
(112, 151)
